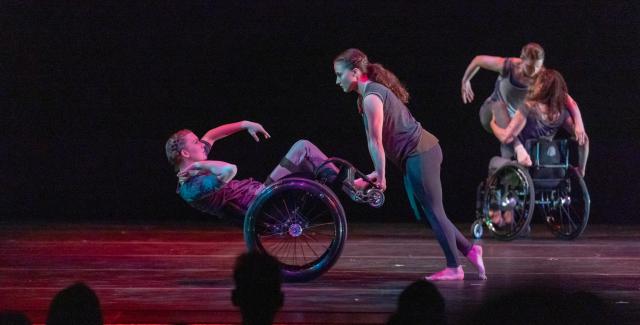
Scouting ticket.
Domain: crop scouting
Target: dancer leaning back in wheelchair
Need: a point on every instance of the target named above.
(533, 127)
(209, 185)
(295, 205)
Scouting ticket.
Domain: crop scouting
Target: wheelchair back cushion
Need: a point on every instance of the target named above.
(548, 153)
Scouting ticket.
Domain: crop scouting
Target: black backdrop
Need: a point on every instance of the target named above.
(91, 91)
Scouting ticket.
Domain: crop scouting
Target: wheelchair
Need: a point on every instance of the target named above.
(550, 187)
(300, 221)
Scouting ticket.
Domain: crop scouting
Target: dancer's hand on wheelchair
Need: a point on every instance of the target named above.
(361, 184)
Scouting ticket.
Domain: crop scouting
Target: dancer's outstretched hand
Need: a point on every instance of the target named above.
(467, 92)
(255, 128)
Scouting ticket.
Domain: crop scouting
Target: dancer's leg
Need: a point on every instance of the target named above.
(423, 176)
(303, 156)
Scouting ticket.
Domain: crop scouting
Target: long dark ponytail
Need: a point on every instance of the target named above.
(354, 58)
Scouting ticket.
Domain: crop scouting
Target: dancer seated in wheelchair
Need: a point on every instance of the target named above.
(209, 185)
(517, 75)
(541, 116)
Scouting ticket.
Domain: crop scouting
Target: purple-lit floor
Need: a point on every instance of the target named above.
(168, 274)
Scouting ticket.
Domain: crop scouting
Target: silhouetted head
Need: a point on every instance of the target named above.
(419, 303)
(75, 305)
(542, 305)
(8, 317)
(258, 281)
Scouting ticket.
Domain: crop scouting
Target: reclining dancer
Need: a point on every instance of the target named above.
(209, 185)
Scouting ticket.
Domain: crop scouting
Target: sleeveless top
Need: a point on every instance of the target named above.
(536, 127)
(402, 135)
(509, 89)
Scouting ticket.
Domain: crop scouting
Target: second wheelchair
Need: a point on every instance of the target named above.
(550, 187)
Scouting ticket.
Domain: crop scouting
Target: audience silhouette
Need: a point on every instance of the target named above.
(75, 305)
(419, 303)
(543, 305)
(8, 317)
(257, 292)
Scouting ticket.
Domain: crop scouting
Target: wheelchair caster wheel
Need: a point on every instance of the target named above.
(476, 229)
(375, 197)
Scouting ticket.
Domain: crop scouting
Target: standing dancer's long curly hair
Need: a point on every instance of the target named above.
(354, 58)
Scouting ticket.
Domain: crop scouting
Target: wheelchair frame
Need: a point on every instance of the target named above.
(300, 221)
(562, 200)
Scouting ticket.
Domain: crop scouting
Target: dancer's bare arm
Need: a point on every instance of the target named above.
(579, 130)
(224, 171)
(492, 63)
(372, 107)
(225, 130)
(583, 149)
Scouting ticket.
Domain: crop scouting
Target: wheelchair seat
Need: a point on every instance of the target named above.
(550, 160)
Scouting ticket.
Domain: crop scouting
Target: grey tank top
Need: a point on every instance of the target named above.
(509, 89)
(402, 135)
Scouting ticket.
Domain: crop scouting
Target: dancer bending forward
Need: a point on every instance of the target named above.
(393, 133)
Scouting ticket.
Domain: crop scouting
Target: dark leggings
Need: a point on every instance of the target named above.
(303, 157)
(422, 183)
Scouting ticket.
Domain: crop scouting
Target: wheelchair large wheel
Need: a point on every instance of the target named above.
(509, 191)
(568, 213)
(301, 223)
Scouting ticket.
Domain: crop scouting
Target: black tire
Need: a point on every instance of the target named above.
(301, 223)
(514, 183)
(568, 215)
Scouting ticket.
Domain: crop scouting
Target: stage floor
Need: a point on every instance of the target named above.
(164, 274)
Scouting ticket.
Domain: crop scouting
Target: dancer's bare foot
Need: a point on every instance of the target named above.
(508, 217)
(475, 257)
(496, 217)
(448, 274)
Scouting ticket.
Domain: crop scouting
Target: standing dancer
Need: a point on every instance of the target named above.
(512, 85)
(393, 133)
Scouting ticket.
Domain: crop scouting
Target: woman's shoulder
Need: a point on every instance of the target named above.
(375, 86)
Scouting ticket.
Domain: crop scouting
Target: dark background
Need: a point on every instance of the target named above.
(91, 91)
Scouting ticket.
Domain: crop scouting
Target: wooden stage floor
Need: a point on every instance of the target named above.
(162, 274)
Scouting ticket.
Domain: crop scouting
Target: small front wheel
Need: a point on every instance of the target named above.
(375, 197)
(476, 229)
